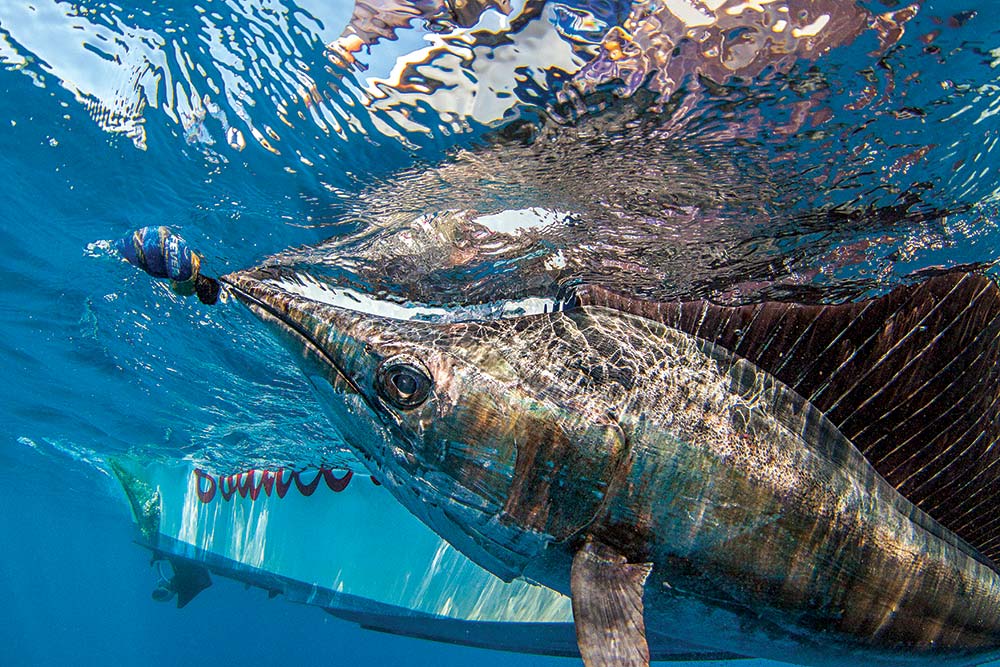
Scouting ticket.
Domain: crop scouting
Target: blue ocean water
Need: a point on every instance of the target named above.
(114, 118)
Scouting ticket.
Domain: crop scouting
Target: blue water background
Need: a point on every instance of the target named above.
(96, 360)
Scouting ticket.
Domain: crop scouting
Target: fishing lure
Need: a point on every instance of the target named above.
(163, 254)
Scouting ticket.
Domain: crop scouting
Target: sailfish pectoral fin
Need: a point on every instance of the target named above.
(607, 607)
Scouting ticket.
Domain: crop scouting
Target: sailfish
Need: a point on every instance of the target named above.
(813, 483)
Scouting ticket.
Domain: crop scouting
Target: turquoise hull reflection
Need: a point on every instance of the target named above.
(338, 541)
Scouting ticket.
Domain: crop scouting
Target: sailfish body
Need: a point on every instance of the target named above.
(648, 460)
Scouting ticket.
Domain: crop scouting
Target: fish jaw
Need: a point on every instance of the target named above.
(340, 351)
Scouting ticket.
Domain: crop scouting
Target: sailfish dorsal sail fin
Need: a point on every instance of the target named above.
(912, 378)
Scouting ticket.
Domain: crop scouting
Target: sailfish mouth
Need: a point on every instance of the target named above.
(456, 507)
(260, 299)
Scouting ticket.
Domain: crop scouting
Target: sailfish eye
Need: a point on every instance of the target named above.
(403, 381)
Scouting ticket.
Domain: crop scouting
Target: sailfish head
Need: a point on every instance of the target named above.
(456, 418)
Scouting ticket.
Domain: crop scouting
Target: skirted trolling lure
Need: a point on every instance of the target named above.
(163, 254)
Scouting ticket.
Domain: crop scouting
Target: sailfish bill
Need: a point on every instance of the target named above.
(798, 482)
